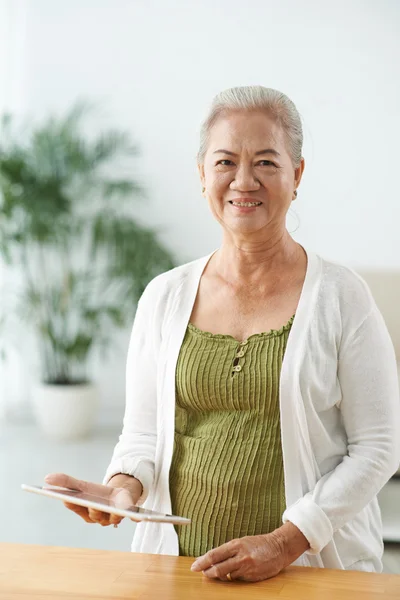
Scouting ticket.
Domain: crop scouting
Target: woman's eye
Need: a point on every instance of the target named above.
(266, 163)
(225, 162)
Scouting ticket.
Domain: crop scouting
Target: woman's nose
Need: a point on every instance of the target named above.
(245, 180)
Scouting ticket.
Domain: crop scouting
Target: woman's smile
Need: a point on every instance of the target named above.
(244, 205)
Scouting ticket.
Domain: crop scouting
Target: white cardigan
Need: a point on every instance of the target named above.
(339, 407)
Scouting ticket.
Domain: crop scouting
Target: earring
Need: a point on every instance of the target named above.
(295, 194)
(203, 190)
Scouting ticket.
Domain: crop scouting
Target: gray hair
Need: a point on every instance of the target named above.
(256, 97)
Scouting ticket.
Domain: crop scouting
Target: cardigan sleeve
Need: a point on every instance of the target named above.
(134, 453)
(370, 412)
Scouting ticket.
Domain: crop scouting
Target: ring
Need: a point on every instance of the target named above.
(228, 576)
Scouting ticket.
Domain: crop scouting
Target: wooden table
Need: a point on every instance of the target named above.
(54, 573)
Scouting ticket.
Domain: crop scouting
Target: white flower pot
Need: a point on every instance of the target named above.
(66, 412)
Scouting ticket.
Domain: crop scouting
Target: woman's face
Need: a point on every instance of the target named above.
(247, 162)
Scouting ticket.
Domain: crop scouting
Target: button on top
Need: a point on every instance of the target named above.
(244, 343)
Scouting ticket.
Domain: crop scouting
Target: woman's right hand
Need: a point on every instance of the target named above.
(123, 490)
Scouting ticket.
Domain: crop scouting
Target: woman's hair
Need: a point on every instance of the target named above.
(256, 97)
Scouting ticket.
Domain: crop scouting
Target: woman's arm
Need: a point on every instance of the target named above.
(134, 453)
(370, 411)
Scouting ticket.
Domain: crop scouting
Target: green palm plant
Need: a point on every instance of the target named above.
(67, 225)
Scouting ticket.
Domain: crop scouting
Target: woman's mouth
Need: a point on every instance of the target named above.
(244, 204)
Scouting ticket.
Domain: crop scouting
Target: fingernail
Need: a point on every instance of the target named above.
(194, 566)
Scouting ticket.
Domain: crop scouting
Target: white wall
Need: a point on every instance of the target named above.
(155, 65)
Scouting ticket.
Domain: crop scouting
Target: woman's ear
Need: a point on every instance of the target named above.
(200, 169)
(298, 173)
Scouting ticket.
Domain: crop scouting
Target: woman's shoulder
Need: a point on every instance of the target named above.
(176, 280)
(343, 286)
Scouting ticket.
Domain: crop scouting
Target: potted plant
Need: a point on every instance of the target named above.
(79, 257)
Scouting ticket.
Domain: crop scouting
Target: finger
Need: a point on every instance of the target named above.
(79, 510)
(99, 517)
(221, 570)
(63, 480)
(115, 519)
(214, 557)
(135, 519)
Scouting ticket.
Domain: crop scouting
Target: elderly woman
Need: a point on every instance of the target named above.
(262, 396)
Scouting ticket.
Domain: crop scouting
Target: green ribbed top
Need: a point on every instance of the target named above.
(227, 466)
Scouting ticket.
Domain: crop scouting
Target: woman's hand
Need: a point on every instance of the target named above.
(254, 558)
(123, 490)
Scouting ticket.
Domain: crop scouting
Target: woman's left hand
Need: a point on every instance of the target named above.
(250, 558)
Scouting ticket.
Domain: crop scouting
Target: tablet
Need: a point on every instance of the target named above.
(136, 513)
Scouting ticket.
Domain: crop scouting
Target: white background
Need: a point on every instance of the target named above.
(154, 67)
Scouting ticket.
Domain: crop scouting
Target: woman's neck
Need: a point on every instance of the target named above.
(246, 262)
